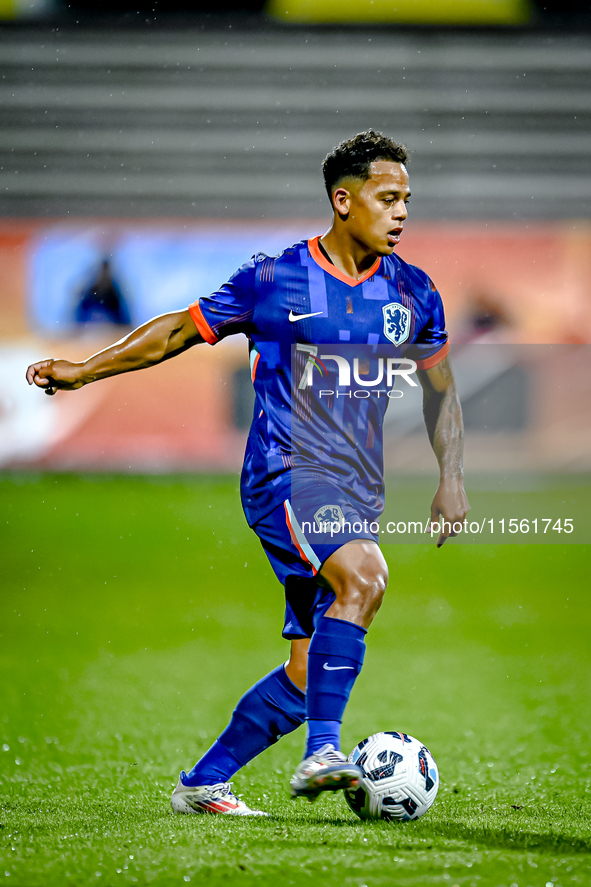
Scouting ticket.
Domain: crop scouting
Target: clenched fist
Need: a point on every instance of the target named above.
(53, 374)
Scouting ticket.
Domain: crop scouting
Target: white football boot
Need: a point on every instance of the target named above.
(217, 799)
(325, 770)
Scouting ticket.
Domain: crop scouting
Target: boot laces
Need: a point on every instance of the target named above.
(330, 753)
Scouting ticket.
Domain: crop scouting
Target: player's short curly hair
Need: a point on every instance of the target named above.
(353, 157)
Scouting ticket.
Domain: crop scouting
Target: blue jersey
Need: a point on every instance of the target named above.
(306, 322)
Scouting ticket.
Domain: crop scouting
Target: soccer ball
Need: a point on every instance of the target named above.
(400, 778)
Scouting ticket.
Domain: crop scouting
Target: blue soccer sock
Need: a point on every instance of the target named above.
(269, 710)
(335, 658)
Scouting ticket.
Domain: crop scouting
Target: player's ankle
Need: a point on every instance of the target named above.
(321, 733)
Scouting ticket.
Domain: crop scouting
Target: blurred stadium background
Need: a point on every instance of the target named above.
(146, 154)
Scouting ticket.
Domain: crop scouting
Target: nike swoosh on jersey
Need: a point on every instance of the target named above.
(328, 667)
(293, 317)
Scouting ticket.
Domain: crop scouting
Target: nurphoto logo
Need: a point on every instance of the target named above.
(388, 369)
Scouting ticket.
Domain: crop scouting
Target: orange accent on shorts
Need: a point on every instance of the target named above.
(202, 325)
(254, 367)
(434, 359)
(316, 254)
(295, 541)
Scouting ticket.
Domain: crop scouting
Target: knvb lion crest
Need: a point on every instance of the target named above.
(329, 514)
(396, 322)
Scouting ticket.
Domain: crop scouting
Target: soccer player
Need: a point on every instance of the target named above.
(345, 289)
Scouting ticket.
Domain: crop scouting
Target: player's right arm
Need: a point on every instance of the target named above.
(159, 339)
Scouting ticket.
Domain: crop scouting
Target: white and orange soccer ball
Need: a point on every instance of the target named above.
(400, 777)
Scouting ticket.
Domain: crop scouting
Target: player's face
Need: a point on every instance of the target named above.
(377, 207)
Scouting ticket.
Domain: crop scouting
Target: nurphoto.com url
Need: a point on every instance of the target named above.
(493, 526)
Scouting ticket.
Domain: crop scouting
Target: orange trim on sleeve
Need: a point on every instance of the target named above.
(202, 325)
(436, 358)
(321, 260)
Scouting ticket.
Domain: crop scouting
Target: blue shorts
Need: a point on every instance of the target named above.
(298, 536)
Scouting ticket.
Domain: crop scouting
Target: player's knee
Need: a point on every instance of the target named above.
(365, 585)
(374, 581)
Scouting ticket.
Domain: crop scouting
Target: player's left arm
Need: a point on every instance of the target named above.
(445, 427)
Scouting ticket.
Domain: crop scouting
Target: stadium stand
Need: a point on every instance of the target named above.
(224, 122)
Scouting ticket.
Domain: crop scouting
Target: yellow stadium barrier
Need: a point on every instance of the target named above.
(420, 12)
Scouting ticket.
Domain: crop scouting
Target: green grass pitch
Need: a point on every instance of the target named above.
(134, 613)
